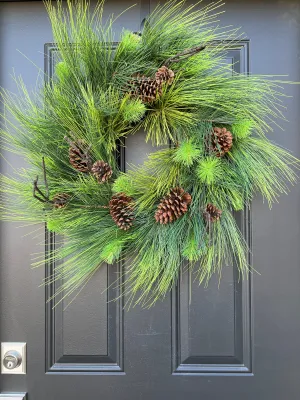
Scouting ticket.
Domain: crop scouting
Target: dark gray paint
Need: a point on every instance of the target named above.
(237, 340)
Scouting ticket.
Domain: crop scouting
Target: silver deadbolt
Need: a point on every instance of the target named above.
(12, 359)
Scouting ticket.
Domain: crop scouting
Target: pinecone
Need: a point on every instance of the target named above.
(121, 209)
(102, 171)
(60, 200)
(221, 141)
(145, 88)
(173, 206)
(164, 74)
(79, 155)
(212, 213)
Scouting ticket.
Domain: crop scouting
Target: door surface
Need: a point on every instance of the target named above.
(234, 340)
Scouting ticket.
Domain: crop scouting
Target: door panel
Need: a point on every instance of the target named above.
(212, 327)
(233, 339)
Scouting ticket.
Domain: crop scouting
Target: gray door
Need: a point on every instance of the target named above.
(234, 340)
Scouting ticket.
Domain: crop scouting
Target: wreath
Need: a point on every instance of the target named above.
(208, 125)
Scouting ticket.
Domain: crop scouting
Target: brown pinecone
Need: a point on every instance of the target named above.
(122, 210)
(221, 141)
(102, 171)
(60, 200)
(173, 206)
(164, 74)
(147, 89)
(212, 213)
(79, 154)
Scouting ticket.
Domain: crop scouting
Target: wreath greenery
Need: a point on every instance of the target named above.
(177, 208)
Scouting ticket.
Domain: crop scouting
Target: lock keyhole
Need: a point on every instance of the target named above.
(12, 359)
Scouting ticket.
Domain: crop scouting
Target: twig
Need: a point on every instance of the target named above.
(45, 178)
(36, 189)
(184, 54)
(43, 198)
(82, 206)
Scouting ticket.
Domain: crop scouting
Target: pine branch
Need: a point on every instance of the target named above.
(183, 55)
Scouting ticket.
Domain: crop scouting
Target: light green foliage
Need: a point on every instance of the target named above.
(62, 71)
(54, 225)
(226, 246)
(124, 184)
(234, 196)
(210, 170)
(242, 129)
(129, 42)
(90, 99)
(187, 153)
(192, 250)
(112, 251)
(154, 269)
(264, 167)
(173, 112)
(133, 110)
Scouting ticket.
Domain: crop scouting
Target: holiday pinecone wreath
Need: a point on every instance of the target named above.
(168, 81)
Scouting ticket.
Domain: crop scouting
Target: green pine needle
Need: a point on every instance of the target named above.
(124, 184)
(242, 129)
(133, 110)
(62, 71)
(187, 153)
(112, 251)
(129, 43)
(210, 170)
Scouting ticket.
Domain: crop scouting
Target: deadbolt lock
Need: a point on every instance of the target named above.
(12, 359)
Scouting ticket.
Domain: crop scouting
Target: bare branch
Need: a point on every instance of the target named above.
(45, 179)
(43, 198)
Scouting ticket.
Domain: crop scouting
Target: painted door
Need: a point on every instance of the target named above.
(231, 340)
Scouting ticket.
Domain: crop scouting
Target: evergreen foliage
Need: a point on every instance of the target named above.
(210, 170)
(187, 153)
(90, 99)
